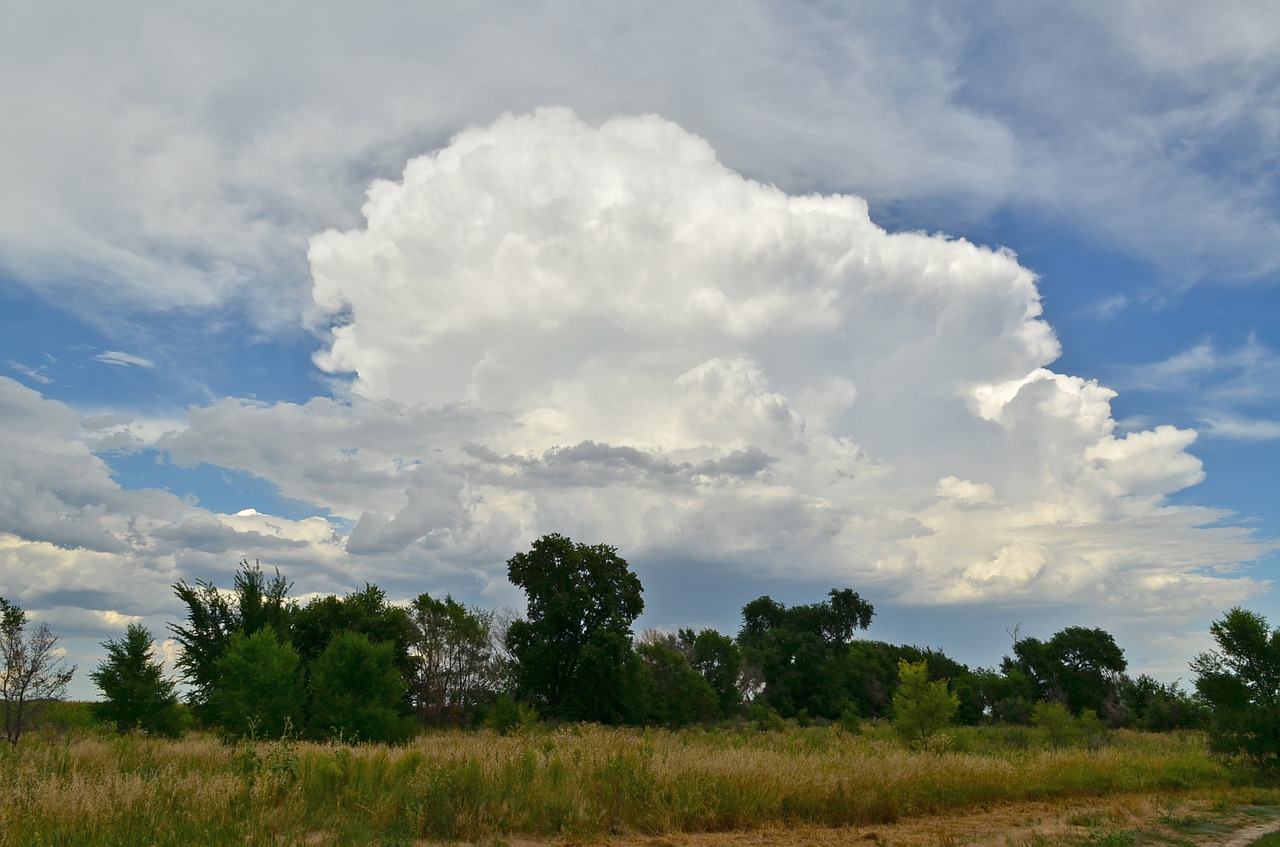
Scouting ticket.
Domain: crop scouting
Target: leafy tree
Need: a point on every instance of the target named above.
(31, 670)
(719, 660)
(1079, 667)
(357, 691)
(573, 652)
(455, 669)
(135, 693)
(213, 619)
(802, 650)
(1158, 707)
(678, 695)
(365, 611)
(1057, 720)
(921, 708)
(1241, 683)
(260, 688)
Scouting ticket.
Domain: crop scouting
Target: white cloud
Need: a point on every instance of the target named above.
(180, 157)
(115, 357)
(606, 332)
(1234, 392)
(90, 557)
(1244, 429)
(36, 374)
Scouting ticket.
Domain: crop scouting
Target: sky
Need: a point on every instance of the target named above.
(970, 307)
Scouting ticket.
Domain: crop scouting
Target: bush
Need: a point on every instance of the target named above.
(505, 716)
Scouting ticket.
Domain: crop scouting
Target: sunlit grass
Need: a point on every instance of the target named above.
(573, 782)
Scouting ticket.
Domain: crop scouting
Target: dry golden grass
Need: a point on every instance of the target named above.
(583, 784)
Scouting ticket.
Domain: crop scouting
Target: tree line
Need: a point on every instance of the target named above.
(257, 663)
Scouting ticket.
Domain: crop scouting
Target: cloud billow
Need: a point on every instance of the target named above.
(660, 353)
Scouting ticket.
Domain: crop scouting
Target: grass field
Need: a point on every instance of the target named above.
(572, 784)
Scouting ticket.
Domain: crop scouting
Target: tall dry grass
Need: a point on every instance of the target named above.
(577, 781)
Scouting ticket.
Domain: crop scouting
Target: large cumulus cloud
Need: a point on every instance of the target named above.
(554, 326)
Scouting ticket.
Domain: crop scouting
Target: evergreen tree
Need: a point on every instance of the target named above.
(136, 695)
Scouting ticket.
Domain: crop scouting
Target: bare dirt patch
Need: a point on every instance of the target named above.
(1190, 820)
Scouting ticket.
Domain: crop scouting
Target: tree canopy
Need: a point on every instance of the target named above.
(1241, 683)
(573, 649)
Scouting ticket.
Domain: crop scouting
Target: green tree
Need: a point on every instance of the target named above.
(802, 651)
(719, 660)
(31, 670)
(1079, 667)
(213, 618)
(678, 695)
(365, 611)
(573, 651)
(455, 669)
(260, 688)
(1160, 707)
(136, 695)
(1056, 720)
(1240, 681)
(357, 692)
(921, 708)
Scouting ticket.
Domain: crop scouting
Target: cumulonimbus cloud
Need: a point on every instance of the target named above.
(616, 310)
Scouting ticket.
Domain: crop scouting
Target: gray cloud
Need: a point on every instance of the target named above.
(181, 157)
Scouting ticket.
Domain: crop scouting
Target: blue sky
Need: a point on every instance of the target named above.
(970, 307)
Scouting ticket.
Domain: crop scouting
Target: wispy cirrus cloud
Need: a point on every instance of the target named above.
(124, 360)
(1234, 392)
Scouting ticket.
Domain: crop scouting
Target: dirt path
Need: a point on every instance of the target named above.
(1248, 835)
(1146, 819)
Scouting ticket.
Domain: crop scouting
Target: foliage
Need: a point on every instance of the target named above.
(213, 619)
(1057, 721)
(136, 695)
(802, 650)
(1241, 683)
(357, 691)
(1079, 667)
(260, 689)
(455, 669)
(365, 611)
(1159, 707)
(32, 671)
(718, 659)
(921, 708)
(678, 695)
(505, 715)
(573, 652)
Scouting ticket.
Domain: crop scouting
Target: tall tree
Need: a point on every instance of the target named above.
(213, 618)
(365, 611)
(135, 693)
(1078, 667)
(573, 650)
(455, 669)
(31, 670)
(1241, 683)
(802, 650)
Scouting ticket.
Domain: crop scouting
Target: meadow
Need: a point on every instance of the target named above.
(573, 784)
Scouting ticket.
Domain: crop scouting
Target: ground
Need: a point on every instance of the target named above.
(1185, 820)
